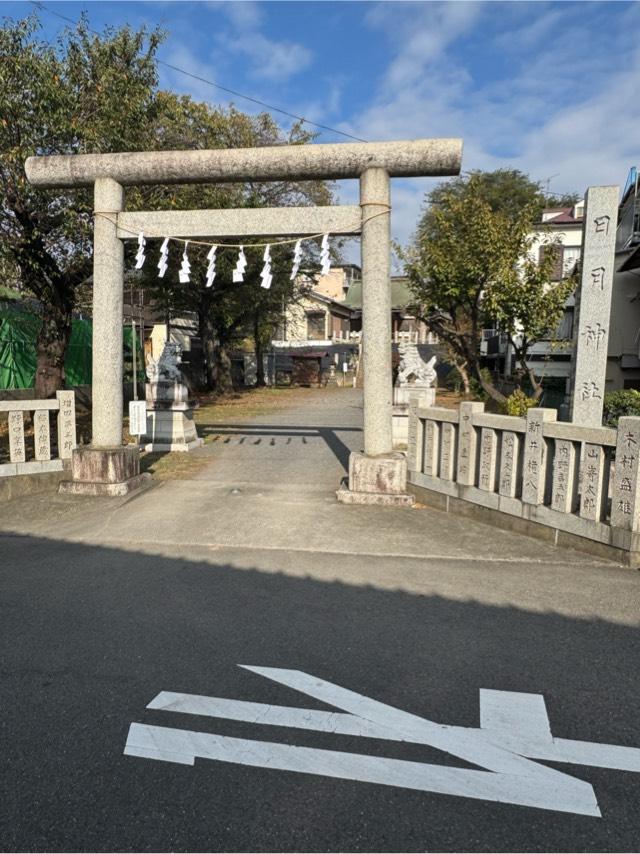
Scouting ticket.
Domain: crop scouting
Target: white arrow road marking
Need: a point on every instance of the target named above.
(466, 745)
(514, 730)
(528, 736)
(183, 746)
(261, 713)
(519, 723)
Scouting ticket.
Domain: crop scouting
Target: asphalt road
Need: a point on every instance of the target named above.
(106, 604)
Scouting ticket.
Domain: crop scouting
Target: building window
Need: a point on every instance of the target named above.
(316, 325)
(564, 259)
(556, 252)
(570, 257)
(565, 327)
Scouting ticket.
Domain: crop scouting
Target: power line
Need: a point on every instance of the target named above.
(234, 92)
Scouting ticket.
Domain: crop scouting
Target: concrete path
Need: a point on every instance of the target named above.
(107, 603)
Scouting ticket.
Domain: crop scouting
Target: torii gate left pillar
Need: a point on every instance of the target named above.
(106, 467)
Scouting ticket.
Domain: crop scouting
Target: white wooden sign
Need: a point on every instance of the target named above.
(137, 417)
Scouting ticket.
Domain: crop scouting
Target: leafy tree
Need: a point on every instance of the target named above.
(98, 93)
(506, 191)
(471, 266)
(562, 200)
(527, 307)
(619, 403)
(84, 94)
(228, 311)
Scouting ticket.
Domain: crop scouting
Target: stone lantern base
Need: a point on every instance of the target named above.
(171, 430)
(170, 424)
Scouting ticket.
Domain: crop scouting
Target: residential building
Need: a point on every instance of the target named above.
(623, 357)
(338, 281)
(313, 319)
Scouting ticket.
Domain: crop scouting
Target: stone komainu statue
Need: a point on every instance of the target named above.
(413, 365)
(165, 369)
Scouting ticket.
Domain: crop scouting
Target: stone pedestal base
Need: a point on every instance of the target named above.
(403, 393)
(377, 480)
(402, 396)
(171, 430)
(104, 471)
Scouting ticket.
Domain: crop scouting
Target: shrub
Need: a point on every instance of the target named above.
(618, 403)
(453, 380)
(518, 403)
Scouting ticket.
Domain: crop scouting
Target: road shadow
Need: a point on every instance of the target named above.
(92, 634)
(276, 434)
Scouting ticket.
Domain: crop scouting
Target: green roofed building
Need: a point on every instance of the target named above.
(403, 322)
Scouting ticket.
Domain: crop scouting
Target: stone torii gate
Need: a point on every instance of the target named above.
(106, 467)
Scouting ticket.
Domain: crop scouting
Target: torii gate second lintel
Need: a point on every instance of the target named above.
(106, 467)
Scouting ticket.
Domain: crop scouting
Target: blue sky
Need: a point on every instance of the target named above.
(549, 88)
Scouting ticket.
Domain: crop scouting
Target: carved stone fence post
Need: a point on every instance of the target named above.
(625, 497)
(536, 480)
(468, 443)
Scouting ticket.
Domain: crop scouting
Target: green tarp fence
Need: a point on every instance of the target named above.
(18, 335)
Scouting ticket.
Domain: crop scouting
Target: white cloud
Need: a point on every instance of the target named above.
(268, 58)
(567, 103)
(271, 60)
(244, 14)
(181, 57)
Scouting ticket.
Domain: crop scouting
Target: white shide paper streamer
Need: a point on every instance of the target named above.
(265, 275)
(211, 268)
(241, 266)
(324, 255)
(185, 268)
(140, 256)
(297, 258)
(164, 258)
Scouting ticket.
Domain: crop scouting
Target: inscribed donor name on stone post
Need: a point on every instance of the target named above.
(16, 437)
(66, 424)
(594, 305)
(625, 509)
(509, 464)
(41, 437)
(447, 456)
(468, 443)
(535, 461)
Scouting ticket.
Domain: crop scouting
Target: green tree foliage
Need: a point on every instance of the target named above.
(98, 93)
(471, 266)
(506, 191)
(84, 94)
(618, 403)
(518, 403)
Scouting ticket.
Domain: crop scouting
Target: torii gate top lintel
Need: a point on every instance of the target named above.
(404, 158)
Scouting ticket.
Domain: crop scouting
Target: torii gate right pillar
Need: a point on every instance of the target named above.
(379, 475)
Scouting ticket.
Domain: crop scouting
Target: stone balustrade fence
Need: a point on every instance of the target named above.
(574, 479)
(64, 439)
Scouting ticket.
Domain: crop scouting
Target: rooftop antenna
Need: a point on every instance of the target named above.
(547, 181)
